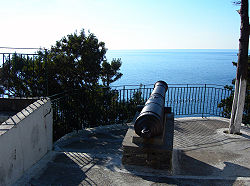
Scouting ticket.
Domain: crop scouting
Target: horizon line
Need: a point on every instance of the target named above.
(180, 49)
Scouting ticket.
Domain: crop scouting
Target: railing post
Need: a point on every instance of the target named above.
(123, 106)
(9, 67)
(144, 93)
(3, 61)
(46, 73)
(204, 97)
(124, 94)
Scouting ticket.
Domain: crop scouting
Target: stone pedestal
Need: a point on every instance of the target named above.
(155, 152)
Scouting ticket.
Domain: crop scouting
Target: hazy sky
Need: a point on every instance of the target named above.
(122, 24)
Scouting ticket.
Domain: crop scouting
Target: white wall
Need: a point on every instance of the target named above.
(24, 139)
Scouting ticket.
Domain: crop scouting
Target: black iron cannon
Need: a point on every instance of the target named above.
(150, 121)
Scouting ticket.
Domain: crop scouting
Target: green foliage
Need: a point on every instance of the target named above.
(70, 71)
(22, 76)
(79, 109)
(226, 104)
(110, 71)
(75, 62)
(131, 105)
(137, 98)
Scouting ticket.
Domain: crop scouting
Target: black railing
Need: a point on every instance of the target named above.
(76, 109)
(79, 109)
(23, 70)
(88, 108)
(5, 58)
(185, 99)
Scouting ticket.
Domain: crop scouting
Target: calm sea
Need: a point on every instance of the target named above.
(175, 66)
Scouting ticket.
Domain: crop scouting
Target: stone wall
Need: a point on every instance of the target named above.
(24, 139)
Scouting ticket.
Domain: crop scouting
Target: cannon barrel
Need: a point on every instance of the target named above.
(149, 123)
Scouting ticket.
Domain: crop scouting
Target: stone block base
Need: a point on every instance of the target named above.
(154, 154)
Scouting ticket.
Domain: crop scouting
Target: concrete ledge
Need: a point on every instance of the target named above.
(24, 139)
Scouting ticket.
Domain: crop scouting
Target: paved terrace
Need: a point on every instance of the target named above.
(203, 155)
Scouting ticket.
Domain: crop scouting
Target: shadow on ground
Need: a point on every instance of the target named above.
(202, 157)
(194, 172)
(81, 161)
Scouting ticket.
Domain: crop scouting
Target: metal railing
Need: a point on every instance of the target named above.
(16, 67)
(184, 99)
(76, 109)
(6, 57)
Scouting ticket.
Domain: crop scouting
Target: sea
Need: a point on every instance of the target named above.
(175, 66)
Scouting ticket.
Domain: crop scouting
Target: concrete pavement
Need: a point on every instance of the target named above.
(203, 155)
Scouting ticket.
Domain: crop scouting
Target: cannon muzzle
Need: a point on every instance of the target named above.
(150, 121)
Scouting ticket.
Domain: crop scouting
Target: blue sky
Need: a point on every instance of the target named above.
(123, 24)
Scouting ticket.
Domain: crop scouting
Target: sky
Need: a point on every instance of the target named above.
(122, 24)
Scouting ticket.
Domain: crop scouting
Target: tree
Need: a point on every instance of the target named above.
(241, 74)
(226, 104)
(75, 62)
(110, 71)
(70, 73)
(22, 76)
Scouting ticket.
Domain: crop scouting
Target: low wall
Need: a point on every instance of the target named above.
(24, 139)
(11, 106)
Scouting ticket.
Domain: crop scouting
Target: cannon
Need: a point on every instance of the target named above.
(150, 122)
(150, 142)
